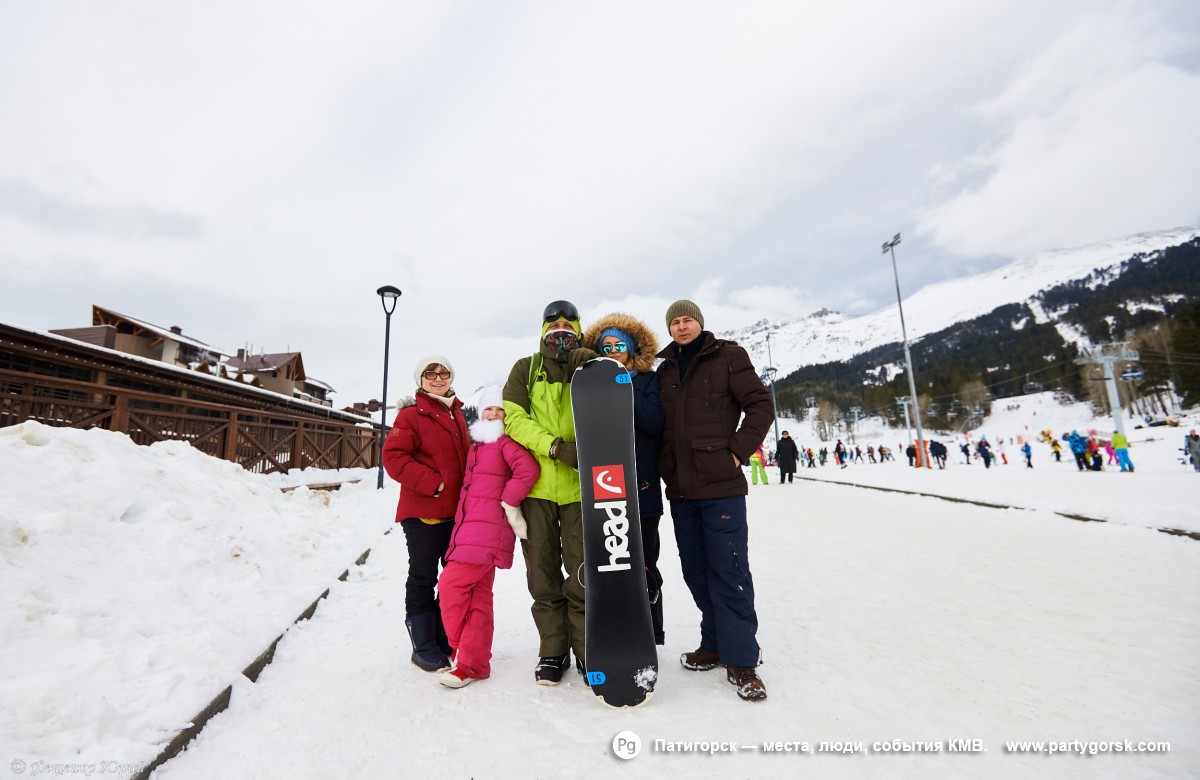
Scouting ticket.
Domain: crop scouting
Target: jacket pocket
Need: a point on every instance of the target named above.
(713, 460)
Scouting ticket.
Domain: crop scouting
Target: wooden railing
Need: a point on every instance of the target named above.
(262, 440)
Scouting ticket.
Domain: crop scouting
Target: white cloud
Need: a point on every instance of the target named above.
(1096, 141)
(487, 159)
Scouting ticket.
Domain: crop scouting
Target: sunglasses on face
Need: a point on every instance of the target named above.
(560, 310)
(619, 346)
(432, 375)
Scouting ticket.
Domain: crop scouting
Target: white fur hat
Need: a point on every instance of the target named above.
(431, 360)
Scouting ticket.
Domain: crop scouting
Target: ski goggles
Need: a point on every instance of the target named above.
(560, 310)
(619, 346)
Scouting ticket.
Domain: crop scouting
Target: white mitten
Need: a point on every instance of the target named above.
(516, 520)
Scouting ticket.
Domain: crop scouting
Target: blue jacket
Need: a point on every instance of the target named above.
(1078, 443)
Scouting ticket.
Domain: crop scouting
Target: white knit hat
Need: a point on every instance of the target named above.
(492, 395)
(431, 360)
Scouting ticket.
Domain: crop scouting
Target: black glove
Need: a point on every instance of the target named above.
(565, 452)
(580, 356)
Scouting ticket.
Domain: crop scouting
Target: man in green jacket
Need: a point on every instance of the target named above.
(537, 405)
(1121, 449)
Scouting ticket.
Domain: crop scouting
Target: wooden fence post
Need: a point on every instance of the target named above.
(120, 417)
(231, 436)
(298, 447)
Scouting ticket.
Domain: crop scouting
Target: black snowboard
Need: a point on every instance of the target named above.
(622, 662)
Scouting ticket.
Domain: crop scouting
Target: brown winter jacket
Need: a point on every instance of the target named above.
(702, 413)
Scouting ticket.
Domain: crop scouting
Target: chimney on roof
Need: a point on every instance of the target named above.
(241, 354)
(177, 330)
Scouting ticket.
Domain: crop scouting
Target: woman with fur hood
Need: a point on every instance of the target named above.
(499, 475)
(628, 341)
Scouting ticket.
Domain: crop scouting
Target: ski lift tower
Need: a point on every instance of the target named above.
(1105, 356)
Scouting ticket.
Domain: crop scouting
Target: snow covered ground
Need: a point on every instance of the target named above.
(138, 582)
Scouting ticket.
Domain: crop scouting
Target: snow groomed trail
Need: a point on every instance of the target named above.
(886, 621)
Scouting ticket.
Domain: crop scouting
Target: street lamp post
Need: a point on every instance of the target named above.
(387, 297)
(890, 247)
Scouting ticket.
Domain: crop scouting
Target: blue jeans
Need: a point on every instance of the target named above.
(712, 537)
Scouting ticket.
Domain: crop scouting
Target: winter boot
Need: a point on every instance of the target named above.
(749, 686)
(700, 660)
(422, 629)
(579, 667)
(457, 678)
(656, 616)
(440, 634)
(550, 669)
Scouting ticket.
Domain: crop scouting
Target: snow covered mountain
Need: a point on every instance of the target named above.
(826, 336)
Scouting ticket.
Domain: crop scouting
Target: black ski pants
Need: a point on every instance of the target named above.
(427, 545)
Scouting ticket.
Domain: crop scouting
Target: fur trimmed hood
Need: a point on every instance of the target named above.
(647, 342)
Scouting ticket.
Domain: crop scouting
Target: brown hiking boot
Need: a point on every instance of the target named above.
(749, 686)
(700, 660)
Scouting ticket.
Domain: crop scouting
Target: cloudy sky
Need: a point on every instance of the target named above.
(252, 171)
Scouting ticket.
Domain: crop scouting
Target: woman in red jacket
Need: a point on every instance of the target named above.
(426, 452)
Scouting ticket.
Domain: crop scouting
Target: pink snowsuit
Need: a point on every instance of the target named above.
(482, 541)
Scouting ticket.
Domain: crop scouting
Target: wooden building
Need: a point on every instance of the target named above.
(65, 381)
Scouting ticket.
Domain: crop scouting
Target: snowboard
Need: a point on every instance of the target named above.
(621, 658)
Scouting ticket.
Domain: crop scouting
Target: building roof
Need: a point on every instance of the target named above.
(271, 361)
(103, 316)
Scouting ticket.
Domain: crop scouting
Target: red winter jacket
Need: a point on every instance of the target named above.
(427, 446)
(501, 470)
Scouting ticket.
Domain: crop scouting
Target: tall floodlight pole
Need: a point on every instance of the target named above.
(387, 296)
(772, 372)
(903, 401)
(769, 375)
(890, 247)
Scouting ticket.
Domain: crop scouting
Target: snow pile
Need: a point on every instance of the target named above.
(140, 581)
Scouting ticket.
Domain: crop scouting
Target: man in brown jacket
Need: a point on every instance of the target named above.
(706, 385)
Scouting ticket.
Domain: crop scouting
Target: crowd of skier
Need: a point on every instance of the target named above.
(1090, 452)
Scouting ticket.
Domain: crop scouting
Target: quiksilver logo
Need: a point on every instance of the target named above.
(609, 483)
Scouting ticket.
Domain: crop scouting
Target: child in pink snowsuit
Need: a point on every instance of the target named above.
(500, 473)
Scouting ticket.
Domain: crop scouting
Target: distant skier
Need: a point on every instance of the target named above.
(1192, 448)
(1120, 445)
(966, 451)
(1056, 448)
(786, 457)
(1028, 455)
(1078, 446)
(938, 452)
(985, 451)
(757, 468)
(911, 452)
(1095, 461)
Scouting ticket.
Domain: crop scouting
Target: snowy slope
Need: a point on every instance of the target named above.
(829, 336)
